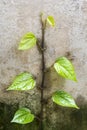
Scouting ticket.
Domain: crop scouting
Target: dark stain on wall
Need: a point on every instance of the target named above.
(64, 118)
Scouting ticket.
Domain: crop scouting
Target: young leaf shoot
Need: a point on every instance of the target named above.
(51, 21)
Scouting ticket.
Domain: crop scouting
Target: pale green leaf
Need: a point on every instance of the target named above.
(64, 99)
(23, 116)
(64, 68)
(27, 41)
(23, 81)
(51, 21)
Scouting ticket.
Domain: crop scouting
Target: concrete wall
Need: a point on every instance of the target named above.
(68, 37)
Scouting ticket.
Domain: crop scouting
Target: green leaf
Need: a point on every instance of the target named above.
(23, 116)
(64, 68)
(23, 81)
(27, 41)
(64, 99)
(51, 21)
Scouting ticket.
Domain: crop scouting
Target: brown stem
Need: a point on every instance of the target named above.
(43, 75)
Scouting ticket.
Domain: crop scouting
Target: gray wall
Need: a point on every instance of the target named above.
(68, 37)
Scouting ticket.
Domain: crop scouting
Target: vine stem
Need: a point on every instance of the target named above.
(43, 73)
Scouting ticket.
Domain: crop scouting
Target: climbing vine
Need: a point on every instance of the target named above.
(26, 81)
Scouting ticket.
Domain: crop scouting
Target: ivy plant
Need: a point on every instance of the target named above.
(25, 81)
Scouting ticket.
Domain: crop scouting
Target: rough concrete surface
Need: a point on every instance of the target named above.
(68, 38)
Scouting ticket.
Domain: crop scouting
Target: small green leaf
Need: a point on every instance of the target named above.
(27, 42)
(64, 99)
(23, 116)
(64, 68)
(51, 21)
(23, 81)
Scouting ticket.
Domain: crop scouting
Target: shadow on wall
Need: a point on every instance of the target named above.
(60, 118)
(53, 82)
(57, 118)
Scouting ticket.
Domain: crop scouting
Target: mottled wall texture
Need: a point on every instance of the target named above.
(68, 38)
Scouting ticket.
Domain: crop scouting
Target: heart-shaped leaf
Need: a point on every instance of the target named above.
(27, 42)
(51, 21)
(23, 116)
(64, 68)
(23, 81)
(64, 99)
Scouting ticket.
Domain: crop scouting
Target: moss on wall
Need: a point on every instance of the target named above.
(68, 119)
